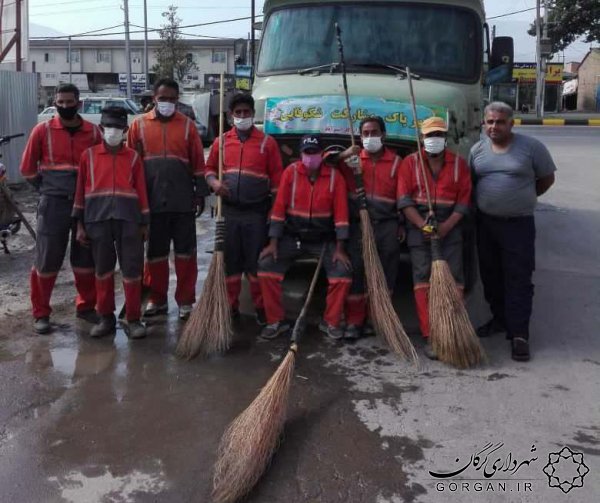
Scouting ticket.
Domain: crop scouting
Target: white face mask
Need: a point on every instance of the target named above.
(243, 124)
(113, 136)
(165, 108)
(372, 144)
(434, 145)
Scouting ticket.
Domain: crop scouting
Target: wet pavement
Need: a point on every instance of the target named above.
(114, 420)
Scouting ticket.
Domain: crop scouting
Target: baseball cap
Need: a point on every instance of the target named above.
(114, 117)
(310, 142)
(433, 124)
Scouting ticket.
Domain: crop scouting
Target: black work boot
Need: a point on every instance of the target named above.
(41, 326)
(106, 326)
(88, 315)
(135, 329)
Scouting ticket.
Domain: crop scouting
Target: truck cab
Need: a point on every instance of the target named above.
(298, 84)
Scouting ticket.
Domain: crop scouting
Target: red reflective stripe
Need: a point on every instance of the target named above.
(263, 144)
(167, 156)
(57, 167)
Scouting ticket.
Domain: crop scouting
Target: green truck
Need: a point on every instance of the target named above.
(298, 85)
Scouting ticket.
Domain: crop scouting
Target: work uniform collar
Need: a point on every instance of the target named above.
(85, 126)
(153, 116)
(105, 151)
(324, 170)
(388, 155)
(253, 133)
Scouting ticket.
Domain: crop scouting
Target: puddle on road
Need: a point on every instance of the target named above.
(72, 362)
(76, 487)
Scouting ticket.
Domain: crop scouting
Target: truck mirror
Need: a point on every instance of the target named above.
(501, 61)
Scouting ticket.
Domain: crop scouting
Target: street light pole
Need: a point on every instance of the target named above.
(70, 62)
(127, 47)
(146, 69)
(252, 37)
(538, 62)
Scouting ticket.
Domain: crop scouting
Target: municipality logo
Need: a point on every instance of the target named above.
(566, 469)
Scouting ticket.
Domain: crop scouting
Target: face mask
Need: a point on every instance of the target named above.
(165, 108)
(372, 144)
(312, 161)
(113, 136)
(243, 124)
(67, 113)
(434, 145)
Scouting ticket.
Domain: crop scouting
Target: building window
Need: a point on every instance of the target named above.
(49, 57)
(189, 57)
(136, 57)
(103, 56)
(219, 56)
(74, 55)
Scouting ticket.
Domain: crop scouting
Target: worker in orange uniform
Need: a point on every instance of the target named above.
(310, 212)
(252, 170)
(111, 208)
(50, 163)
(449, 181)
(174, 168)
(380, 166)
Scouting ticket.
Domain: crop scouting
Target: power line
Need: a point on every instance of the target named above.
(141, 31)
(510, 13)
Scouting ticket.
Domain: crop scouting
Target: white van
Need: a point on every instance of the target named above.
(91, 108)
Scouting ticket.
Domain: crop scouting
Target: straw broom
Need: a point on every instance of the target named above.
(252, 438)
(208, 330)
(452, 335)
(384, 316)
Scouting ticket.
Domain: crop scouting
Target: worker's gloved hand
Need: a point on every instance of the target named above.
(353, 162)
(360, 193)
(199, 206)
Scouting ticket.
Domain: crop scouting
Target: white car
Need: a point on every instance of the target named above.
(91, 108)
(46, 114)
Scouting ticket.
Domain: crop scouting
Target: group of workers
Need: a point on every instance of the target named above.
(110, 188)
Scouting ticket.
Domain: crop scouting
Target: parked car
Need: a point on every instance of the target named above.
(46, 114)
(91, 107)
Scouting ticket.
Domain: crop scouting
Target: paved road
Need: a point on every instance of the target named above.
(100, 421)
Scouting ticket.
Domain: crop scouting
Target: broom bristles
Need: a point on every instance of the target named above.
(384, 316)
(452, 334)
(251, 439)
(208, 330)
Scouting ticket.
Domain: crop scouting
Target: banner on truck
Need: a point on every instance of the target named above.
(329, 115)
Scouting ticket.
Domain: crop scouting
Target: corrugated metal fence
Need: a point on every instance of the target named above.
(18, 114)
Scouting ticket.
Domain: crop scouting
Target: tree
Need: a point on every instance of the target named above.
(569, 20)
(173, 53)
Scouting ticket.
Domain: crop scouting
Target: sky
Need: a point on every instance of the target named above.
(51, 17)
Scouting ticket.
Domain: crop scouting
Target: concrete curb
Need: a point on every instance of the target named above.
(557, 122)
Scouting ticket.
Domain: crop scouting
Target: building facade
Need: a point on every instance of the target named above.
(99, 66)
(588, 87)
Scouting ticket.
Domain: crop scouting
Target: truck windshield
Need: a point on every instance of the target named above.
(436, 41)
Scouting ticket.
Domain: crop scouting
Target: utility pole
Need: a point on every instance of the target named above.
(18, 34)
(127, 47)
(491, 88)
(544, 61)
(70, 62)
(146, 70)
(538, 62)
(252, 37)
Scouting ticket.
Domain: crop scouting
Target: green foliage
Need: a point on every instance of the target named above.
(171, 56)
(571, 19)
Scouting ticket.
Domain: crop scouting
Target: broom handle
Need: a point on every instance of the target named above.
(420, 153)
(311, 289)
(338, 34)
(358, 176)
(221, 127)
